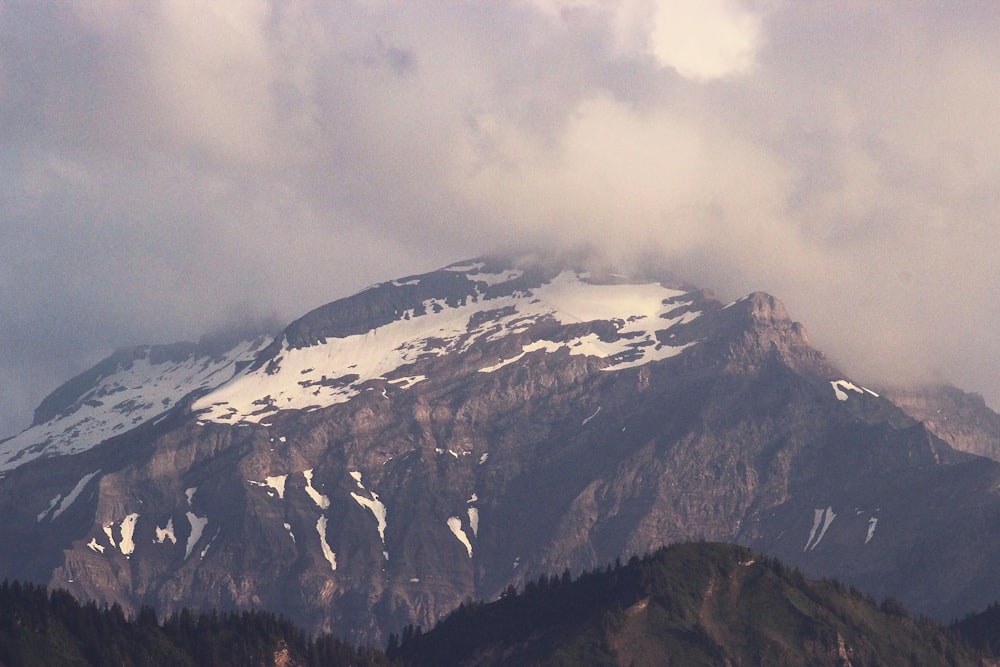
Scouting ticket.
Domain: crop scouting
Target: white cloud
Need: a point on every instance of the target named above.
(169, 162)
(700, 39)
(705, 39)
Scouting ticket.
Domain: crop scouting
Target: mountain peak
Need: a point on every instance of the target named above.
(762, 307)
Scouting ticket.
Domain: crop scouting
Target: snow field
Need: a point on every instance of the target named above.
(334, 371)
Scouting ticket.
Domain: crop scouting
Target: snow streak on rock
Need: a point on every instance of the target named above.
(374, 505)
(455, 526)
(52, 503)
(74, 494)
(331, 557)
(872, 522)
(321, 501)
(840, 385)
(198, 524)
(822, 518)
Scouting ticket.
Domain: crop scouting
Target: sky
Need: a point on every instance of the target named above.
(170, 168)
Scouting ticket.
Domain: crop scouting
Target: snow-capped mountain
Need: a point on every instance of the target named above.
(125, 390)
(442, 436)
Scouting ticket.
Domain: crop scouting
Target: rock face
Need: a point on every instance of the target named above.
(443, 436)
(961, 419)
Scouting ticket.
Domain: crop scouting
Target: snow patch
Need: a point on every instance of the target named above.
(321, 501)
(822, 518)
(189, 494)
(455, 526)
(373, 504)
(591, 416)
(276, 484)
(465, 268)
(840, 385)
(407, 382)
(94, 546)
(198, 524)
(52, 503)
(74, 494)
(108, 530)
(288, 527)
(331, 557)
(872, 522)
(165, 533)
(497, 278)
(474, 521)
(127, 545)
(210, 543)
(377, 508)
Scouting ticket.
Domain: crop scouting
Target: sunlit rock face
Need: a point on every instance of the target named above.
(442, 436)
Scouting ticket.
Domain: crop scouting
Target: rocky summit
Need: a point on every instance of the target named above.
(443, 436)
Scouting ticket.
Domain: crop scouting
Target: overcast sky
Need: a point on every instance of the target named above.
(171, 166)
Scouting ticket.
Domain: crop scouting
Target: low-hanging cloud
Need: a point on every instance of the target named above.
(171, 166)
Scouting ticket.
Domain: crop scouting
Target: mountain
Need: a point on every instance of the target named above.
(690, 604)
(444, 436)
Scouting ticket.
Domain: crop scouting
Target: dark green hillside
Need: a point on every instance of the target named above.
(692, 604)
(981, 630)
(49, 629)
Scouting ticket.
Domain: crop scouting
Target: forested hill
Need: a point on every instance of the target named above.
(43, 628)
(692, 604)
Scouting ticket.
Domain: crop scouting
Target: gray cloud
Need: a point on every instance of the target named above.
(169, 167)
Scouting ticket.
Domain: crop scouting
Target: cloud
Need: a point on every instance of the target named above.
(171, 166)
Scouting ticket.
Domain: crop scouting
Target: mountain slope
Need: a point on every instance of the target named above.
(446, 435)
(125, 390)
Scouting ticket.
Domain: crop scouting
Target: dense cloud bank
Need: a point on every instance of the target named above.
(170, 167)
